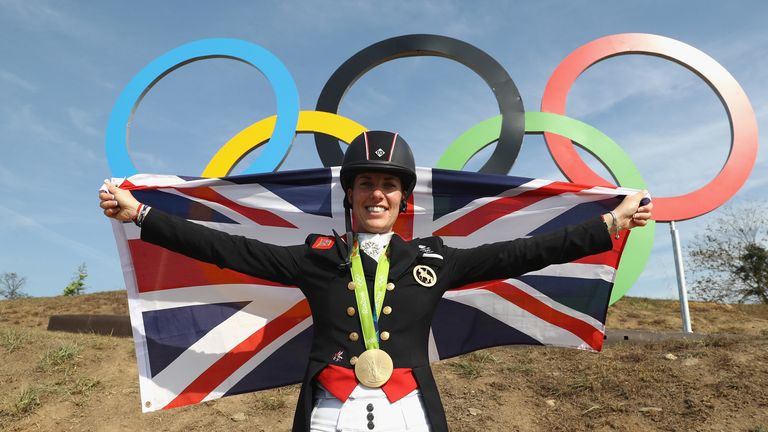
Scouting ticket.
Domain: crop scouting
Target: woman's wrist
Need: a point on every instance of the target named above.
(612, 223)
(136, 213)
(141, 212)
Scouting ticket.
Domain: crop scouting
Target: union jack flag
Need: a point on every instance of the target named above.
(202, 332)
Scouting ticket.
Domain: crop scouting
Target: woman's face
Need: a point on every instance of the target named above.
(375, 199)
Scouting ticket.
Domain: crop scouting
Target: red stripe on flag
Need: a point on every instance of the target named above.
(589, 334)
(239, 355)
(404, 223)
(261, 217)
(611, 257)
(159, 269)
(127, 185)
(485, 214)
(476, 285)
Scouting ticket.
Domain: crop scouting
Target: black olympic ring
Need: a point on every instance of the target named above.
(416, 45)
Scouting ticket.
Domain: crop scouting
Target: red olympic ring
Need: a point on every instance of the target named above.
(740, 115)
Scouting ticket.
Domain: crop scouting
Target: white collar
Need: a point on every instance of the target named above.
(373, 244)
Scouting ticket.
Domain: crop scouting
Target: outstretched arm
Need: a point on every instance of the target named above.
(507, 259)
(246, 255)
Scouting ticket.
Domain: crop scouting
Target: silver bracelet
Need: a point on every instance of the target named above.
(142, 214)
(615, 224)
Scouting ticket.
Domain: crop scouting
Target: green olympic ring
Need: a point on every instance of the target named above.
(638, 247)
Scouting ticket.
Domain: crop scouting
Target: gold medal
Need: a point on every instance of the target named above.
(373, 368)
(424, 275)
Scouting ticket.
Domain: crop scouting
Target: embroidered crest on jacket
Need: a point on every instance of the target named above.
(323, 243)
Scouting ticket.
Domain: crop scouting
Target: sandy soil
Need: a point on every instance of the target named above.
(61, 381)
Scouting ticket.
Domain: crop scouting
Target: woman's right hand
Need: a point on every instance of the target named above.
(118, 203)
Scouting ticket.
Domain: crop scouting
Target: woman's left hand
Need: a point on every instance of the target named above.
(630, 214)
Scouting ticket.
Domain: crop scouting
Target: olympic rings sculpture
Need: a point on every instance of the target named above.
(740, 115)
(507, 96)
(276, 133)
(129, 100)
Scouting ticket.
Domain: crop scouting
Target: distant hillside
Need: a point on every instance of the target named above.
(59, 381)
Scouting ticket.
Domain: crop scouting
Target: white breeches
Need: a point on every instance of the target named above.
(368, 409)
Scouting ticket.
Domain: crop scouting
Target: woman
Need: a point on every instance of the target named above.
(369, 366)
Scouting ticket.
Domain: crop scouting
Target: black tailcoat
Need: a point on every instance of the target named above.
(317, 268)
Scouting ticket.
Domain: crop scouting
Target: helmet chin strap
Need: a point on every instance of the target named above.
(350, 236)
(347, 216)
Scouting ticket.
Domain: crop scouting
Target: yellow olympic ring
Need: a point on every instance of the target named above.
(259, 133)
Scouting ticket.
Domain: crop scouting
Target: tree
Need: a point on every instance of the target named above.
(77, 285)
(729, 263)
(11, 286)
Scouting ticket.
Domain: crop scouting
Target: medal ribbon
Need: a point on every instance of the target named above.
(369, 317)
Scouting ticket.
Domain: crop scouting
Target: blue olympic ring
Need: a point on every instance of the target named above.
(273, 153)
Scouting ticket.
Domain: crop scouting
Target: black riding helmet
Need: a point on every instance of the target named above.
(379, 151)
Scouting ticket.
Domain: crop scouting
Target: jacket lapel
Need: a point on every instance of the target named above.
(342, 249)
(402, 255)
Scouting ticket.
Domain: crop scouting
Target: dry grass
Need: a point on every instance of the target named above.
(60, 381)
(474, 364)
(62, 357)
(12, 339)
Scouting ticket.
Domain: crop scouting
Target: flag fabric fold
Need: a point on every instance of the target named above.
(202, 332)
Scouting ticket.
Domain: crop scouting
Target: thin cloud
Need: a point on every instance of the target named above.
(37, 15)
(17, 81)
(23, 119)
(82, 120)
(25, 122)
(696, 153)
(450, 17)
(608, 87)
(10, 181)
(18, 221)
(372, 103)
(149, 162)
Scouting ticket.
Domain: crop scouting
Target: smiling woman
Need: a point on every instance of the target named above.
(375, 199)
(373, 294)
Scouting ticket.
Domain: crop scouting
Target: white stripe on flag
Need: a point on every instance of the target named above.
(577, 270)
(472, 205)
(518, 318)
(281, 298)
(434, 355)
(172, 380)
(256, 360)
(533, 292)
(134, 311)
(519, 223)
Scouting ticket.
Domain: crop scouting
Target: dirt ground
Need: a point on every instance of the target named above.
(60, 382)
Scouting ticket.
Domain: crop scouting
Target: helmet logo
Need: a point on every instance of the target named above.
(379, 152)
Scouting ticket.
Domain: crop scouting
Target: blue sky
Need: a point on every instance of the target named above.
(65, 63)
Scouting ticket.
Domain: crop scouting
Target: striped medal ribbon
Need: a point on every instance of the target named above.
(374, 366)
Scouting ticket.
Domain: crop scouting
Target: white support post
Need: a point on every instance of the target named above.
(681, 288)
